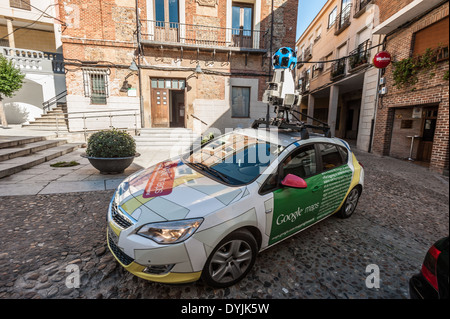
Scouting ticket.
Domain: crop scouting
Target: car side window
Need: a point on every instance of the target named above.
(331, 157)
(301, 163)
(344, 153)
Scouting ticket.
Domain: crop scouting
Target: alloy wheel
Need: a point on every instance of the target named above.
(230, 261)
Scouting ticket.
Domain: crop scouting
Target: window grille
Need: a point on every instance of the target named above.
(95, 82)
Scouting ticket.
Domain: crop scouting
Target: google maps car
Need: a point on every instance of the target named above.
(208, 213)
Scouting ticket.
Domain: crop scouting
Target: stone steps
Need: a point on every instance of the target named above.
(51, 121)
(19, 153)
(166, 138)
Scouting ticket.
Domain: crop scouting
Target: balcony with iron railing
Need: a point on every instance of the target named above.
(32, 61)
(359, 58)
(159, 33)
(343, 19)
(304, 83)
(360, 7)
(338, 69)
(307, 55)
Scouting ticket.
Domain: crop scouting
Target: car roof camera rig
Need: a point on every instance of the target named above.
(282, 95)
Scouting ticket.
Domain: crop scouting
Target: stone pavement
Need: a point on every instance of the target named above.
(403, 210)
(44, 179)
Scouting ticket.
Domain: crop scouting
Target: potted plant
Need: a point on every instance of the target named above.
(111, 151)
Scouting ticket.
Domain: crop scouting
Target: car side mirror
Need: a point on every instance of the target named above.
(294, 181)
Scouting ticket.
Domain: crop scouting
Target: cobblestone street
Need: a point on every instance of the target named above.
(403, 210)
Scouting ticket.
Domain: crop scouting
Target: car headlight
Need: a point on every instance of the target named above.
(170, 232)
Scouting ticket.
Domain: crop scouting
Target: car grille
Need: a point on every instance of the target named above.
(120, 255)
(119, 217)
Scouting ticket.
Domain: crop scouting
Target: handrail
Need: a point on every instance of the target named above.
(66, 116)
(99, 111)
(53, 100)
(195, 117)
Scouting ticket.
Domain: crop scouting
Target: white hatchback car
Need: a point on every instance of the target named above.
(208, 213)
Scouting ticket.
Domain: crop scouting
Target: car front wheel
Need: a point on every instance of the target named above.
(231, 260)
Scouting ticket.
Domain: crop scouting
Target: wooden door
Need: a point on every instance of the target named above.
(160, 107)
(428, 129)
(242, 25)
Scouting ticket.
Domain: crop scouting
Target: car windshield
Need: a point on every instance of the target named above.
(235, 159)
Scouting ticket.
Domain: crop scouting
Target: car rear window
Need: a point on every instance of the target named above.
(331, 156)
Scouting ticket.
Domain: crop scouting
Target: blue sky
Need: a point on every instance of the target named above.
(307, 11)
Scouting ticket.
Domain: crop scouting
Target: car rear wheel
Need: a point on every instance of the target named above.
(350, 203)
(231, 260)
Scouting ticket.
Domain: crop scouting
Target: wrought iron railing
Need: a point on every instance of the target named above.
(359, 56)
(360, 6)
(304, 83)
(54, 100)
(308, 53)
(338, 69)
(201, 35)
(343, 19)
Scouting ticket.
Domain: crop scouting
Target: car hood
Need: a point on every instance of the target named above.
(172, 190)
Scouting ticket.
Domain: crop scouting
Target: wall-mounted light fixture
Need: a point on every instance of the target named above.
(198, 69)
(133, 66)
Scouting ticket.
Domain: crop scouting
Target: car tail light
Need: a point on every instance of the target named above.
(361, 164)
(429, 266)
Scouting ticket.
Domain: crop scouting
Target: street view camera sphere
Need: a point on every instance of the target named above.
(284, 58)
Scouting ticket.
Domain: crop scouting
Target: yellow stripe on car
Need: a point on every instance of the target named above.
(355, 179)
(171, 277)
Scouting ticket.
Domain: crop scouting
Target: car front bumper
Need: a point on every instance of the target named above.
(139, 270)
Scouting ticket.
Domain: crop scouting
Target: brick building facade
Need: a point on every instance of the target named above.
(412, 120)
(203, 63)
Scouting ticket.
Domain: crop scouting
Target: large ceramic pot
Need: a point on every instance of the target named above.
(111, 165)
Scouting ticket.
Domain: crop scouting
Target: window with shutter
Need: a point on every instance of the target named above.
(432, 37)
(20, 4)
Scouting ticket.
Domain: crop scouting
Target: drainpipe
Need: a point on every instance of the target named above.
(138, 39)
(270, 63)
(377, 98)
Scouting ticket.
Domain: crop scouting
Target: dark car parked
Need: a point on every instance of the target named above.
(432, 281)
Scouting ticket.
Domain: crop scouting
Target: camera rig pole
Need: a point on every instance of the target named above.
(282, 96)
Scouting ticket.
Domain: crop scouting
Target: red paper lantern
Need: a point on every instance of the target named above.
(382, 59)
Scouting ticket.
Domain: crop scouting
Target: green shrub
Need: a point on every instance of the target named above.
(407, 70)
(208, 138)
(111, 144)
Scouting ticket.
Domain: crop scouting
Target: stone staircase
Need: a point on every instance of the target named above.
(22, 152)
(51, 121)
(167, 139)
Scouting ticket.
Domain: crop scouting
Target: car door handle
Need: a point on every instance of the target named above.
(315, 189)
(268, 211)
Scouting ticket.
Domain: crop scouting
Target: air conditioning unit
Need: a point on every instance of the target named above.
(319, 66)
